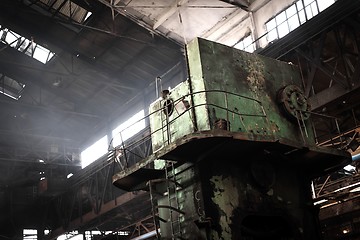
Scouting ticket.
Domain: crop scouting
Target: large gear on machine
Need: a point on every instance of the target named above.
(294, 102)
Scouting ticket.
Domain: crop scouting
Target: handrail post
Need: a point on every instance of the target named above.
(124, 150)
(227, 112)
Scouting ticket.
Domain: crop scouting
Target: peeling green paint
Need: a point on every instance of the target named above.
(245, 184)
(226, 198)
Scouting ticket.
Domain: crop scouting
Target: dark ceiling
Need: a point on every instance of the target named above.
(103, 71)
(99, 67)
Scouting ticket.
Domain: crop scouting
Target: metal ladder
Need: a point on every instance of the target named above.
(172, 187)
(172, 193)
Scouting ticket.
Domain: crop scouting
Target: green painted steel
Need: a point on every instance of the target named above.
(238, 132)
(230, 86)
(217, 67)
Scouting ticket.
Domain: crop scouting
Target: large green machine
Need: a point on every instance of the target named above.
(233, 151)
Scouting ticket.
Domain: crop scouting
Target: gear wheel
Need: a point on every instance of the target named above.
(294, 102)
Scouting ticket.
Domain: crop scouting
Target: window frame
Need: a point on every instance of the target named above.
(302, 17)
(241, 43)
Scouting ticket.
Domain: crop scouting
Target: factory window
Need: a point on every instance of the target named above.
(24, 45)
(29, 234)
(42, 54)
(73, 235)
(70, 237)
(128, 128)
(89, 235)
(295, 15)
(246, 44)
(94, 152)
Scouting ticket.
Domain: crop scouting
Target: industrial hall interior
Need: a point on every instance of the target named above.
(179, 119)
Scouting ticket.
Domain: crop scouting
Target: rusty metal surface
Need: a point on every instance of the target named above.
(137, 179)
(250, 177)
(198, 146)
(217, 67)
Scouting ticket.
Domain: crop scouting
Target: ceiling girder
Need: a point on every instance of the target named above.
(324, 69)
(340, 46)
(243, 4)
(120, 10)
(90, 216)
(48, 137)
(29, 75)
(169, 12)
(317, 62)
(64, 37)
(328, 95)
(46, 109)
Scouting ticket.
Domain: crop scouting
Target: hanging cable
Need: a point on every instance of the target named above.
(182, 27)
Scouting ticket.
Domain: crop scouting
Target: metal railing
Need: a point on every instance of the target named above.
(304, 131)
(125, 150)
(337, 142)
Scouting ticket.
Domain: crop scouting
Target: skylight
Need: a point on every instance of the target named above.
(128, 128)
(42, 54)
(29, 234)
(94, 152)
(74, 237)
(68, 9)
(24, 45)
(10, 87)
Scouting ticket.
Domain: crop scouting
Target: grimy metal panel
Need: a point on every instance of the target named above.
(217, 67)
(164, 112)
(237, 151)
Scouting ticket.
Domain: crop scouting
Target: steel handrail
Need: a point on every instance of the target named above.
(124, 148)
